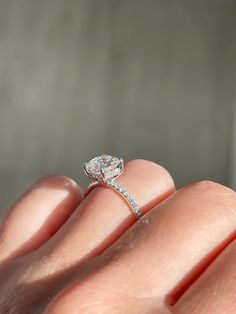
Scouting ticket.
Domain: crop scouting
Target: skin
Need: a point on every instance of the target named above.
(63, 252)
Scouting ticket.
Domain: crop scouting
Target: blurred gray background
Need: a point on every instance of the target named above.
(139, 79)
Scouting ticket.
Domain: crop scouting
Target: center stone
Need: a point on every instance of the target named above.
(104, 168)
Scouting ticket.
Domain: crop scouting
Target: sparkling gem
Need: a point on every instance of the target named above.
(104, 168)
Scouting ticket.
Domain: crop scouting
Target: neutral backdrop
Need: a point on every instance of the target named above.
(139, 79)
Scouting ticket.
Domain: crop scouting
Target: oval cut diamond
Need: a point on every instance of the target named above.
(104, 168)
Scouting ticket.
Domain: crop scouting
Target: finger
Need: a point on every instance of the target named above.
(37, 215)
(104, 215)
(215, 291)
(157, 260)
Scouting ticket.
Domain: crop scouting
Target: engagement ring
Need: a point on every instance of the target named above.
(104, 170)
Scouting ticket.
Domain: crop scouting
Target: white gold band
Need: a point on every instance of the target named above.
(136, 210)
(127, 196)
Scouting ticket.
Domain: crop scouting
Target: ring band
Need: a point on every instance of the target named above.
(104, 170)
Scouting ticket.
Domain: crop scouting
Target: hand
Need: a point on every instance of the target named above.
(61, 253)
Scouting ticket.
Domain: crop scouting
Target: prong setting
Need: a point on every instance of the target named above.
(105, 169)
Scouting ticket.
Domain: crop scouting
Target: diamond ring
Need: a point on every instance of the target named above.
(104, 170)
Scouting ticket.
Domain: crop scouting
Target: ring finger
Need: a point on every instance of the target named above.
(155, 262)
(103, 216)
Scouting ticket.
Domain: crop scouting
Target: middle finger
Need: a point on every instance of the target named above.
(155, 262)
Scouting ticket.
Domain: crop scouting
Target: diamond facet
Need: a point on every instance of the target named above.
(104, 168)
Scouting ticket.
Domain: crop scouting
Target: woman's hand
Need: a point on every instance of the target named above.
(61, 253)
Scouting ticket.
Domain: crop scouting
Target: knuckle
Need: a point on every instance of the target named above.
(207, 186)
(57, 181)
(216, 199)
(204, 185)
(143, 164)
(152, 168)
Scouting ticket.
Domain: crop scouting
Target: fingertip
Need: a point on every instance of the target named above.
(38, 214)
(60, 182)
